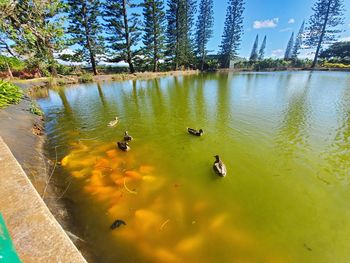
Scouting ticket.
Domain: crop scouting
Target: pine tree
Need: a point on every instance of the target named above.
(180, 20)
(154, 29)
(328, 14)
(298, 42)
(204, 29)
(254, 54)
(288, 52)
(86, 30)
(262, 49)
(123, 30)
(233, 31)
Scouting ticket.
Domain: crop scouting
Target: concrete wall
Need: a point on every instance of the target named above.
(35, 233)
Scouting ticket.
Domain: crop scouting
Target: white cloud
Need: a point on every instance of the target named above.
(291, 21)
(344, 39)
(269, 23)
(277, 53)
(286, 29)
(349, 25)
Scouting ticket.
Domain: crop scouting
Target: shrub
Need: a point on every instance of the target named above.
(86, 77)
(35, 109)
(335, 65)
(9, 94)
(64, 70)
(14, 63)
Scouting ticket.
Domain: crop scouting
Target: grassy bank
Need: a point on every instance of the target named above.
(9, 94)
(87, 77)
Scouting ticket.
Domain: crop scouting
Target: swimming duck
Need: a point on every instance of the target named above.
(195, 132)
(219, 167)
(127, 137)
(117, 223)
(124, 146)
(113, 122)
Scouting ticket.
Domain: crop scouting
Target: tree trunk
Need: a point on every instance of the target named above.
(322, 35)
(93, 63)
(9, 70)
(155, 43)
(88, 43)
(131, 66)
(127, 38)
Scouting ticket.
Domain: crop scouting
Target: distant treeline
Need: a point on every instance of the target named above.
(154, 35)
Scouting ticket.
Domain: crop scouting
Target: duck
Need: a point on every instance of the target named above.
(113, 122)
(219, 167)
(195, 132)
(127, 137)
(117, 223)
(124, 146)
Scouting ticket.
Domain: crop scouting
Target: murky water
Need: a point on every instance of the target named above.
(285, 139)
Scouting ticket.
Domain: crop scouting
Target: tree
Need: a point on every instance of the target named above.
(154, 29)
(254, 54)
(328, 14)
(233, 31)
(288, 52)
(204, 29)
(298, 42)
(85, 29)
(338, 50)
(180, 21)
(123, 30)
(36, 29)
(262, 49)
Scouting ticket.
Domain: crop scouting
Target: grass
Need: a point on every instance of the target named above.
(9, 94)
(34, 108)
(86, 77)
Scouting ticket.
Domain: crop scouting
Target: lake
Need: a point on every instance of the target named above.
(284, 137)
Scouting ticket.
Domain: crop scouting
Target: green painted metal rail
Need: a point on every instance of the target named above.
(7, 251)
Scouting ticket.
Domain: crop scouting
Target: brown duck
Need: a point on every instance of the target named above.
(219, 167)
(124, 146)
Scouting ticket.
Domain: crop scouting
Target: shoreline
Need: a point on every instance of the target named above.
(23, 132)
(73, 79)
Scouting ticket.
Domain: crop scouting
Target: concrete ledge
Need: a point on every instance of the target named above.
(35, 232)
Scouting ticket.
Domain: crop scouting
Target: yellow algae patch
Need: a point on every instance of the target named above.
(102, 163)
(149, 178)
(218, 221)
(112, 153)
(133, 174)
(146, 169)
(96, 179)
(65, 160)
(189, 244)
(163, 255)
(147, 220)
(200, 206)
(80, 174)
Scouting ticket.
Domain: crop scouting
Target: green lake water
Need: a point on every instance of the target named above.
(284, 137)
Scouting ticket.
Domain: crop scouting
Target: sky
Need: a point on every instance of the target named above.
(276, 19)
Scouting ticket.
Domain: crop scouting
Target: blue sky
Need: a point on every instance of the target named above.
(276, 13)
(276, 19)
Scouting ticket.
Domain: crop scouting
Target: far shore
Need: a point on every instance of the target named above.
(75, 79)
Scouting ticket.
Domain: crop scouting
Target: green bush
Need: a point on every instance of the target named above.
(35, 109)
(9, 94)
(14, 63)
(64, 70)
(86, 77)
(335, 65)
